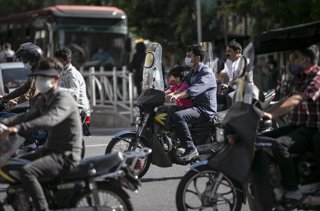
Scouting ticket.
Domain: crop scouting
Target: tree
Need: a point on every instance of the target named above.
(270, 14)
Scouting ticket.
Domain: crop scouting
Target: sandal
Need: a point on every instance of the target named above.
(287, 204)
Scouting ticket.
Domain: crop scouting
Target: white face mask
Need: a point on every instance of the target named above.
(188, 62)
(27, 66)
(43, 84)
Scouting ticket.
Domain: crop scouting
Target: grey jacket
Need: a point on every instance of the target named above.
(59, 116)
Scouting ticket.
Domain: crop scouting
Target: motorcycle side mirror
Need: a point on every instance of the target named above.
(6, 89)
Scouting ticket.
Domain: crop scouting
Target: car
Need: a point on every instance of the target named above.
(12, 76)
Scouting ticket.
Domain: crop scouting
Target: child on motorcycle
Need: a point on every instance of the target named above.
(177, 85)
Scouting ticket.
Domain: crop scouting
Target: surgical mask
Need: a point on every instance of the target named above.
(295, 69)
(43, 84)
(27, 66)
(188, 62)
(171, 83)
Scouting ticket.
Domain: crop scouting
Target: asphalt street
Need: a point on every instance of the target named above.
(159, 185)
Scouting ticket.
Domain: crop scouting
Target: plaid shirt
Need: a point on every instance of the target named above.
(307, 113)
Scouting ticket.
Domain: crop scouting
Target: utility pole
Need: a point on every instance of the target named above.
(199, 28)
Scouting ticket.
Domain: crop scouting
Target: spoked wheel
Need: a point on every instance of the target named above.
(109, 196)
(205, 189)
(125, 143)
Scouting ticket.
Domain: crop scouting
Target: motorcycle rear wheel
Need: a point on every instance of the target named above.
(126, 143)
(109, 195)
(194, 191)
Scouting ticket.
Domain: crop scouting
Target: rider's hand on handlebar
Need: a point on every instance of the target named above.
(10, 104)
(267, 115)
(173, 98)
(6, 131)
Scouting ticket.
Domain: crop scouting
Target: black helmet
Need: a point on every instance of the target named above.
(29, 52)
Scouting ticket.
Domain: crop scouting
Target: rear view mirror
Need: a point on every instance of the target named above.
(6, 89)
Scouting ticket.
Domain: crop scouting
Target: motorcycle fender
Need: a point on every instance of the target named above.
(197, 164)
(122, 132)
(133, 133)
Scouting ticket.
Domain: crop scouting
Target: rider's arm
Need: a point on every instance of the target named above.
(25, 116)
(19, 91)
(286, 106)
(57, 113)
(168, 92)
(205, 82)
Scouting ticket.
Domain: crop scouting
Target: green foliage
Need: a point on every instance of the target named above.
(269, 14)
(9, 7)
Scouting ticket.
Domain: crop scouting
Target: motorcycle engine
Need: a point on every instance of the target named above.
(18, 199)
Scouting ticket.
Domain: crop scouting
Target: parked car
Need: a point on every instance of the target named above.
(12, 75)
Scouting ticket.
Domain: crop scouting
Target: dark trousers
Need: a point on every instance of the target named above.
(181, 120)
(45, 167)
(303, 139)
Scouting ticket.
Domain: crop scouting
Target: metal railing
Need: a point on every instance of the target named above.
(111, 89)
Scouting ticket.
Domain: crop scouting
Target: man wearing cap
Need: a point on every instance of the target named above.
(57, 112)
(302, 105)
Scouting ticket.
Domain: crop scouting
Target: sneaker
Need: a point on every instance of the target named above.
(189, 154)
(287, 204)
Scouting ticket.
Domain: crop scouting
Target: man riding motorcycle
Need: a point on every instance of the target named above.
(302, 106)
(57, 112)
(202, 91)
(30, 54)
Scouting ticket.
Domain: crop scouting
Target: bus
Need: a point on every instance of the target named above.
(97, 35)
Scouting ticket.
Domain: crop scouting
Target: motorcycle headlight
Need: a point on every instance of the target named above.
(136, 112)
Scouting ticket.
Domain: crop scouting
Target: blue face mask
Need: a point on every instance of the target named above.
(295, 69)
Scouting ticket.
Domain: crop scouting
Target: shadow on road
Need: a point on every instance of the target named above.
(160, 179)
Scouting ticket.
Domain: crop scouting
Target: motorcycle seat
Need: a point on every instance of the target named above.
(216, 120)
(101, 165)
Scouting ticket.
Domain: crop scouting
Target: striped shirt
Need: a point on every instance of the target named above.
(307, 113)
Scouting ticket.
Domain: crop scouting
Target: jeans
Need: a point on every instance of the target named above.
(46, 166)
(293, 140)
(184, 117)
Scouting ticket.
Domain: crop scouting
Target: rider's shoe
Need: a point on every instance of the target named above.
(287, 204)
(189, 154)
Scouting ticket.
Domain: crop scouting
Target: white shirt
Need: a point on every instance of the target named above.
(234, 69)
(7, 54)
(72, 81)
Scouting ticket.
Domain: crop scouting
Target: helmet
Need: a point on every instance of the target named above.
(29, 52)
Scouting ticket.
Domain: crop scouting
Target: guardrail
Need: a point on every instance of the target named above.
(111, 89)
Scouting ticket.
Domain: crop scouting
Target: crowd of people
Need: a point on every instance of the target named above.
(56, 91)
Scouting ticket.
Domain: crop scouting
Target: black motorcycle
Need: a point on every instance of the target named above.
(151, 129)
(96, 184)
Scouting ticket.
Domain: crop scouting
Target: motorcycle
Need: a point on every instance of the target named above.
(151, 129)
(217, 183)
(97, 183)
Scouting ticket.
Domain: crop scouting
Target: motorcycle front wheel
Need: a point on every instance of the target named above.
(203, 188)
(112, 197)
(127, 142)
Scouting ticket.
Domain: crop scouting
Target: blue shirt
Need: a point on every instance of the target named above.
(203, 90)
